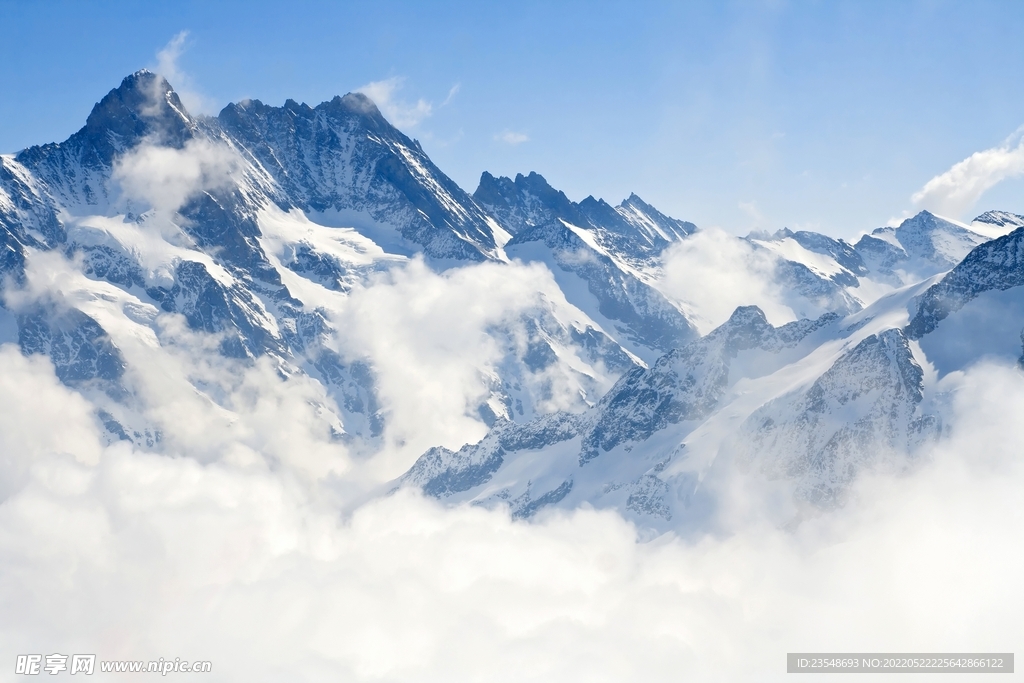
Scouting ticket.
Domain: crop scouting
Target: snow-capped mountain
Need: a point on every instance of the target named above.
(155, 254)
(834, 275)
(617, 454)
(600, 255)
(811, 403)
(976, 309)
(343, 162)
(633, 231)
(994, 224)
(823, 271)
(254, 226)
(918, 248)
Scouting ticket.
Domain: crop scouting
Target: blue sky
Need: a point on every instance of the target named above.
(818, 115)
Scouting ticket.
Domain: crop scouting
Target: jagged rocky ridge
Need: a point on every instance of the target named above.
(829, 272)
(862, 409)
(602, 247)
(342, 156)
(223, 250)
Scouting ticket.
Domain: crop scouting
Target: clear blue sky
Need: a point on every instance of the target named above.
(825, 115)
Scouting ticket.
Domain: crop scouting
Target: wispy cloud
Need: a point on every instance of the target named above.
(400, 113)
(168, 67)
(452, 93)
(511, 137)
(958, 189)
(751, 209)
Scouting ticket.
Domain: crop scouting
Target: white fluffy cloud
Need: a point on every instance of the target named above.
(712, 272)
(140, 556)
(430, 338)
(958, 189)
(164, 178)
(55, 421)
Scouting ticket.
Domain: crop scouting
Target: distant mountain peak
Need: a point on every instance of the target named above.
(538, 186)
(926, 222)
(1000, 219)
(634, 229)
(924, 243)
(634, 200)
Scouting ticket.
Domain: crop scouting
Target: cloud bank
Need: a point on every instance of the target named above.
(135, 555)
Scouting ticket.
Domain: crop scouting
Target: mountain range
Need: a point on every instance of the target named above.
(251, 230)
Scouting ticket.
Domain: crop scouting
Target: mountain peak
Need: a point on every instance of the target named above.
(143, 107)
(1000, 219)
(997, 223)
(926, 220)
(539, 187)
(144, 104)
(936, 239)
(358, 102)
(929, 221)
(745, 316)
(634, 200)
(142, 92)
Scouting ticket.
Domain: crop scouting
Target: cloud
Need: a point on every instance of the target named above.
(711, 272)
(139, 556)
(401, 114)
(205, 406)
(510, 137)
(219, 410)
(164, 178)
(435, 342)
(167, 57)
(27, 429)
(958, 189)
(452, 93)
(168, 67)
(751, 209)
